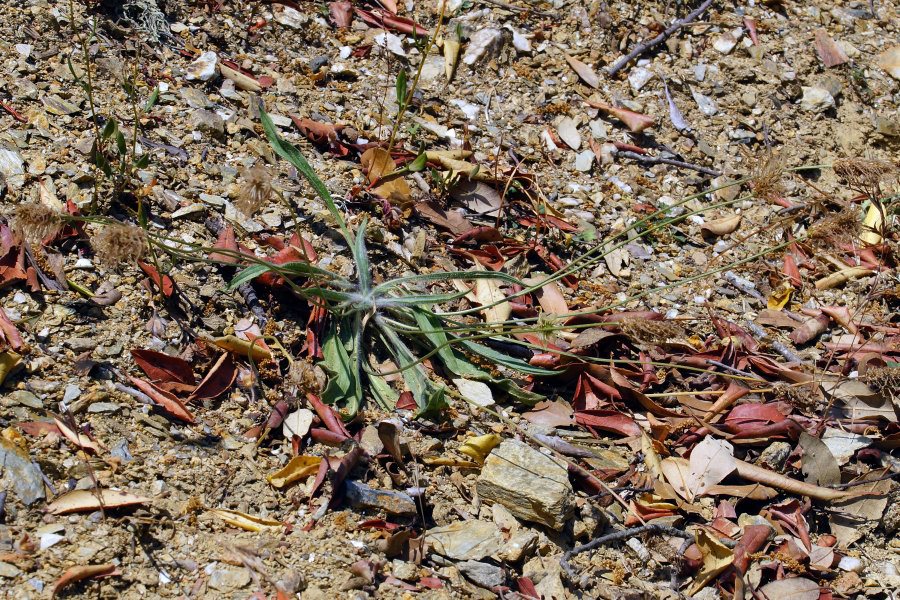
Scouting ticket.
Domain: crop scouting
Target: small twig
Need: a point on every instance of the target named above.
(650, 44)
(722, 365)
(844, 486)
(513, 7)
(615, 537)
(246, 290)
(659, 160)
(777, 346)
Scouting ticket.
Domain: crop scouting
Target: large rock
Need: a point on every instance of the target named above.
(466, 540)
(533, 486)
(208, 123)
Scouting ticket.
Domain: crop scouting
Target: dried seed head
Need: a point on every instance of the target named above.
(35, 222)
(864, 175)
(120, 243)
(306, 377)
(765, 176)
(256, 189)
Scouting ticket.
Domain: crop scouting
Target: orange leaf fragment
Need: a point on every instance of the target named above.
(82, 500)
(81, 572)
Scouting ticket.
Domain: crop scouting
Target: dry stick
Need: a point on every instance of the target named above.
(648, 45)
(615, 537)
(215, 226)
(659, 160)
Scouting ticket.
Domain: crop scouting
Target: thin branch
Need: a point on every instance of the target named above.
(659, 160)
(615, 537)
(648, 45)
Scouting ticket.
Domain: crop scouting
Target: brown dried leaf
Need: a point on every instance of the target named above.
(795, 588)
(378, 164)
(586, 73)
(81, 572)
(82, 500)
(721, 227)
(830, 53)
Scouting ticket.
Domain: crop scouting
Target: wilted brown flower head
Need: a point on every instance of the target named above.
(306, 377)
(120, 243)
(255, 190)
(864, 175)
(34, 221)
(765, 176)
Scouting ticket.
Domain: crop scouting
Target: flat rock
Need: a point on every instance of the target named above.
(20, 474)
(194, 97)
(482, 574)
(227, 578)
(638, 77)
(392, 502)
(12, 168)
(466, 540)
(533, 486)
(57, 106)
(208, 122)
(24, 398)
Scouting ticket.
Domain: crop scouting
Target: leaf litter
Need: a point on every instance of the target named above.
(699, 371)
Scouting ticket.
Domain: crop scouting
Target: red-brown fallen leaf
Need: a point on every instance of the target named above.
(809, 329)
(220, 377)
(828, 50)
(636, 122)
(9, 335)
(752, 541)
(226, 241)
(79, 439)
(162, 282)
(83, 500)
(81, 572)
(549, 413)
(378, 17)
(432, 583)
(165, 400)
(406, 401)
(608, 420)
(162, 367)
(587, 74)
(36, 428)
(329, 416)
(791, 271)
(750, 24)
(341, 14)
(321, 133)
(527, 589)
(752, 415)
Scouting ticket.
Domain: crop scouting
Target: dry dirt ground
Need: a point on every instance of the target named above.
(748, 100)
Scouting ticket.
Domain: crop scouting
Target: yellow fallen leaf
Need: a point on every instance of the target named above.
(716, 558)
(780, 296)
(451, 56)
(247, 522)
(9, 361)
(448, 461)
(298, 468)
(231, 343)
(378, 164)
(479, 447)
(82, 500)
(872, 225)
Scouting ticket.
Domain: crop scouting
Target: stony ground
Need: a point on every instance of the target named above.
(757, 88)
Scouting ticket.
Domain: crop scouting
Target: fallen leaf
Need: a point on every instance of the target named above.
(476, 392)
(722, 226)
(8, 333)
(830, 53)
(378, 164)
(255, 350)
(859, 401)
(587, 74)
(451, 220)
(677, 472)
(555, 413)
(451, 56)
(635, 122)
(82, 500)
(297, 423)
(819, 466)
(161, 367)
(165, 400)
(297, 468)
(220, 377)
(716, 558)
(795, 588)
(82, 572)
(163, 283)
(711, 461)
(480, 446)
(247, 522)
(608, 420)
(477, 196)
(79, 439)
(783, 482)
(341, 13)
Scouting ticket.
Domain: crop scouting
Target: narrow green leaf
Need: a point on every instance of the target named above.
(418, 164)
(248, 274)
(151, 101)
(345, 378)
(121, 145)
(361, 258)
(401, 87)
(109, 129)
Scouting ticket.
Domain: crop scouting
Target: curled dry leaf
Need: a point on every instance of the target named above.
(451, 56)
(82, 572)
(716, 558)
(635, 122)
(341, 13)
(77, 438)
(841, 277)
(586, 73)
(298, 468)
(82, 500)
(220, 377)
(711, 461)
(783, 482)
(722, 226)
(795, 588)
(378, 165)
(165, 400)
(245, 521)
(160, 366)
(256, 350)
(480, 446)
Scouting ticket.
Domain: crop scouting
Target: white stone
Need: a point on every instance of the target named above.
(482, 43)
(706, 104)
(816, 99)
(12, 167)
(584, 161)
(638, 78)
(297, 423)
(726, 42)
(204, 68)
(392, 42)
(568, 132)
